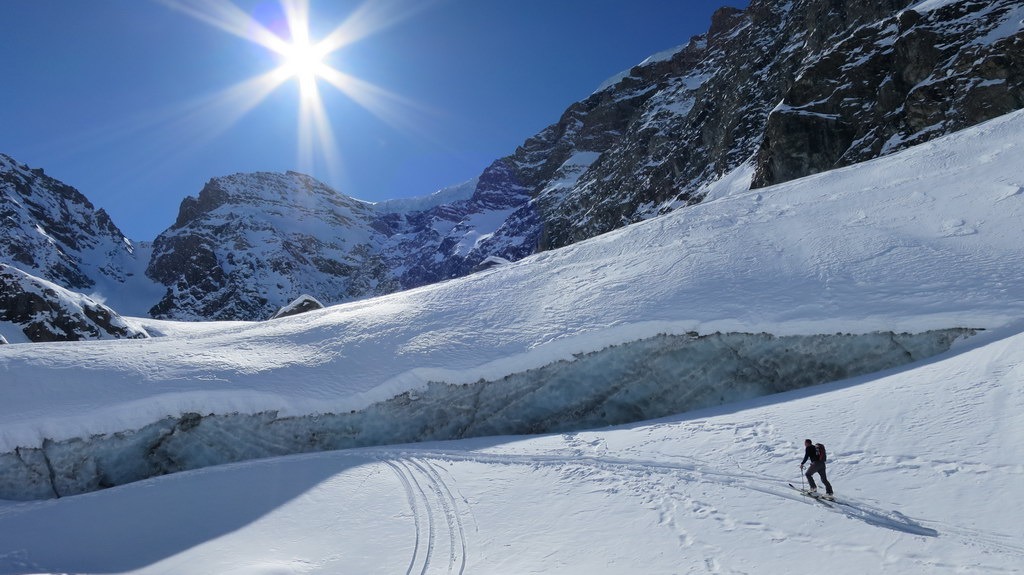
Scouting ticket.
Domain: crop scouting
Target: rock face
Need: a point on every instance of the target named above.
(44, 311)
(784, 89)
(52, 231)
(251, 242)
(896, 82)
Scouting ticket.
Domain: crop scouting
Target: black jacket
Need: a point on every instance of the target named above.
(810, 453)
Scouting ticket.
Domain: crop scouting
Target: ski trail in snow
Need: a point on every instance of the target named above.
(429, 497)
(449, 505)
(414, 494)
(697, 472)
(641, 477)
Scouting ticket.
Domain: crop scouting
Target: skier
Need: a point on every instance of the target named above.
(817, 466)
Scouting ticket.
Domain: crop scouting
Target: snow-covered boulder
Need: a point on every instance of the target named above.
(301, 304)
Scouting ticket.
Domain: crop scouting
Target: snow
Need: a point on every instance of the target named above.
(701, 492)
(1011, 21)
(451, 194)
(571, 170)
(931, 5)
(928, 238)
(1011, 24)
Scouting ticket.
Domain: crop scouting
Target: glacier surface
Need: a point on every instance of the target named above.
(634, 381)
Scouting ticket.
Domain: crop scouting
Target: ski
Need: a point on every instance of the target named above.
(819, 498)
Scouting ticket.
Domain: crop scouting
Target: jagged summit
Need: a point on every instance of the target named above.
(250, 243)
(53, 231)
(290, 194)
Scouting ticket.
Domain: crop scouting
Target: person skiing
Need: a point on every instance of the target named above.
(817, 458)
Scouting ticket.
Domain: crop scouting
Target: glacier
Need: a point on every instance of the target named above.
(635, 381)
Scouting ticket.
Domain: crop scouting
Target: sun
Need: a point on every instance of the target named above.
(301, 59)
(304, 62)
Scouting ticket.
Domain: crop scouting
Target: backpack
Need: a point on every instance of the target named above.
(821, 452)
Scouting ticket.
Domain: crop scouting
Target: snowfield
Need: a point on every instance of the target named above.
(929, 238)
(913, 461)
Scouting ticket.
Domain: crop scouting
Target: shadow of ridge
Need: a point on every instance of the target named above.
(132, 526)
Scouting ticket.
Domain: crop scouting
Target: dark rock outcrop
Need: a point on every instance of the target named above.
(895, 82)
(52, 231)
(47, 312)
(302, 304)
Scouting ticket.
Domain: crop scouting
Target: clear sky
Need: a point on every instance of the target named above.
(137, 103)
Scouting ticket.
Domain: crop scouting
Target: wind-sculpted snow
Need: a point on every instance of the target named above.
(640, 380)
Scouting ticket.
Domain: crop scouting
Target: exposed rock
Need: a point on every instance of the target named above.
(789, 88)
(896, 82)
(48, 312)
(302, 304)
(251, 241)
(52, 231)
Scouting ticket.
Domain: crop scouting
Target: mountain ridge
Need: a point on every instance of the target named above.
(783, 90)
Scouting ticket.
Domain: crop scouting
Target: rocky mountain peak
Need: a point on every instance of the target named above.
(249, 243)
(781, 90)
(53, 231)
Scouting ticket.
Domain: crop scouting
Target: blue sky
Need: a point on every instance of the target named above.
(126, 100)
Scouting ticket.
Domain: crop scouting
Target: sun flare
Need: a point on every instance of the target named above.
(304, 60)
(305, 63)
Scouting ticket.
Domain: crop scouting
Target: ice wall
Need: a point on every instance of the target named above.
(644, 379)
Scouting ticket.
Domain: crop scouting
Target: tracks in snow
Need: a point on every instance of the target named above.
(439, 514)
(436, 514)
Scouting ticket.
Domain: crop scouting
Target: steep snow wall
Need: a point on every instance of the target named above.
(635, 381)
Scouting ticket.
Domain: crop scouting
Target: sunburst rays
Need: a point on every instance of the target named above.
(304, 59)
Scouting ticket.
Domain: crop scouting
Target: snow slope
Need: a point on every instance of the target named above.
(912, 460)
(927, 238)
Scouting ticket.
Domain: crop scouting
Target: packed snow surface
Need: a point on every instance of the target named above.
(929, 238)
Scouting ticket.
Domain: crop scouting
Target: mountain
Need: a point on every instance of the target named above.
(897, 280)
(783, 90)
(853, 271)
(251, 243)
(52, 231)
(793, 88)
(709, 308)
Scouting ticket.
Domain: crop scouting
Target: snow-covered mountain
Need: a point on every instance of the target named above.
(251, 243)
(52, 231)
(817, 278)
(794, 88)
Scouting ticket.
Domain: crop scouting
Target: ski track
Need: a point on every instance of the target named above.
(426, 488)
(430, 497)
